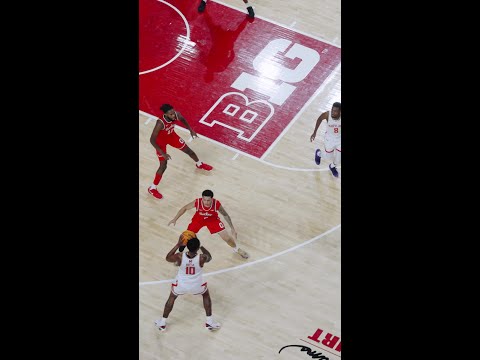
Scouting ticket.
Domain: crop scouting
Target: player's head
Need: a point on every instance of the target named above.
(336, 110)
(166, 107)
(207, 196)
(168, 111)
(193, 245)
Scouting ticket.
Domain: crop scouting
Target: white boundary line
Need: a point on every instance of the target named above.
(318, 237)
(185, 40)
(244, 153)
(299, 113)
(309, 101)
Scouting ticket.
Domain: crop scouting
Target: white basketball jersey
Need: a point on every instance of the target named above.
(334, 127)
(189, 271)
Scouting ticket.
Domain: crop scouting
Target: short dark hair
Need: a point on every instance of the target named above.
(207, 193)
(337, 105)
(193, 244)
(166, 107)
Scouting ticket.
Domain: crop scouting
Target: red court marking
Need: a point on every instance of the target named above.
(231, 73)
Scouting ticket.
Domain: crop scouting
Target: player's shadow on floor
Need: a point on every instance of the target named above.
(224, 33)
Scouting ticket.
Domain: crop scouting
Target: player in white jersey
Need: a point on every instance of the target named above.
(332, 140)
(189, 280)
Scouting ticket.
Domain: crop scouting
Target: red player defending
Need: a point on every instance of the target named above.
(206, 214)
(163, 133)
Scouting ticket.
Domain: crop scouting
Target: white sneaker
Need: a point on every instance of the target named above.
(213, 326)
(161, 327)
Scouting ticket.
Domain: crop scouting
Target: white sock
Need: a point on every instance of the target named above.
(199, 163)
(153, 186)
(163, 321)
(235, 249)
(209, 320)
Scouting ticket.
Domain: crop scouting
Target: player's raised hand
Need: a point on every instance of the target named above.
(181, 241)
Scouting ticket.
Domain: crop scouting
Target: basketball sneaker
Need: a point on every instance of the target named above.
(242, 253)
(161, 327)
(250, 12)
(201, 7)
(318, 156)
(213, 326)
(155, 193)
(204, 166)
(333, 170)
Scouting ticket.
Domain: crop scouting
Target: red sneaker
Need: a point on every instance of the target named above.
(205, 167)
(155, 193)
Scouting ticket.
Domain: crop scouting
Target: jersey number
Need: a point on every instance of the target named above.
(190, 270)
(335, 130)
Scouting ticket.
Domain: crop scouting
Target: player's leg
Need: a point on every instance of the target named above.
(207, 303)
(177, 142)
(162, 323)
(158, 175)
(251, 13)
(169, 305)
(217, 227)
(338, 155)
(329, 154)
(210, 324)
(203, 4)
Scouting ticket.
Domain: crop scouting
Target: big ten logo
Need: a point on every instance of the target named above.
(327, 339)
(234, 111)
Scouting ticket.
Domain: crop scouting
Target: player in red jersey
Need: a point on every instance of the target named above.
(251, 13)
(164, 133)
(206, 214)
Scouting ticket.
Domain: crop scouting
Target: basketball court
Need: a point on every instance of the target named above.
(252, 89)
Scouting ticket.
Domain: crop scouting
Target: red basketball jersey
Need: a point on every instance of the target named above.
(204, 213)
(168, 128)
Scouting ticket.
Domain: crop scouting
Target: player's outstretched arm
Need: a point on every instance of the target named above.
(182, 211)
